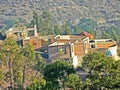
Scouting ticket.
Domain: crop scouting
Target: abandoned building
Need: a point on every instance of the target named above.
(23, 35)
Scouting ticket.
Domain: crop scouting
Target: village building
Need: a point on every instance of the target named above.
(69, 47)
(105, 46)
(73, 48)
(23, 35)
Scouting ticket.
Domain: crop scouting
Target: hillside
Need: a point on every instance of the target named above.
(106, 12)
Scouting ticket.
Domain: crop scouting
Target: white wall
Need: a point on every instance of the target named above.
(75, 61)
(114, 52)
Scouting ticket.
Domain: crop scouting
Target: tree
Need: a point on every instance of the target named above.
(27, 61)
(57, 71)
(57, 29)
(1, 76)
(39, 65)
(72, 82)
(114, 35)
(10, 57)
(47, 23)
(66, 29)
(77, 30)
(37, 84)
(87, 24)
(35, 20)
(102, 71)
(105, 35)
(16, 64)
(112, 79)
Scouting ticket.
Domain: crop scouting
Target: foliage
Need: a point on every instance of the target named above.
(20, 65)
(66, 29)
(57, 71)
(10, 58)
(110, 29)
(37, 84)
(43, 22)
(77, 29)
(102, 71)
(57, 29)
(16, 60)
(111, 32)
(35, 20)
(87, 24)
(1, 75)
(72, 81)
(9, 23)
(28, 60)
(39, 65)
(105, 35)
(45, 25)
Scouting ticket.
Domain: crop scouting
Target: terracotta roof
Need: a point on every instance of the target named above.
(77, 37)
(105, 44)
(79, 49)
(66, 41)
(86, 34)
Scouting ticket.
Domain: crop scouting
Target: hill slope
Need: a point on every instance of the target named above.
(102, 11)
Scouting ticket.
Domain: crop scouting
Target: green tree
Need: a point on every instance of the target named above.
(102, 71)
(72, 82)
(27, 61)
(10, 57)
(47, 23)
(114, 35)
(87, 24)
(18, 63)
(57, 29)
(66, 29)
(37, 84)
(57, 71)
(77, 30)
(35, 20)
(1, 75)
(39, 66)
(112, 79)
(105, 35)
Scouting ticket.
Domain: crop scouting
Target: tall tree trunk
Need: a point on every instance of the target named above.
(23, 77)
(11, 73)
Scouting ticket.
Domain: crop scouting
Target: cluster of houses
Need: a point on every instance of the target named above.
(64, 47)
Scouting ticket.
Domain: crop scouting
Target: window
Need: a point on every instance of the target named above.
(61, 50)
(30, 33)
(93, 46)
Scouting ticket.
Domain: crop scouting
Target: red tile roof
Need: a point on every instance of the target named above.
(86, 34)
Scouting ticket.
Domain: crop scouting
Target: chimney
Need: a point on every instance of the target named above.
(35, 31)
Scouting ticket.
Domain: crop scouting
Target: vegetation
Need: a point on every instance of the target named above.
(45, 25)
(87, 24)
(21, 68)
(17, 61)
(103, 72)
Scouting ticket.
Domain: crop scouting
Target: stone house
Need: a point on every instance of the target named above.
(73, 48)
(69, 47)
(23, 35)
(104, 46)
